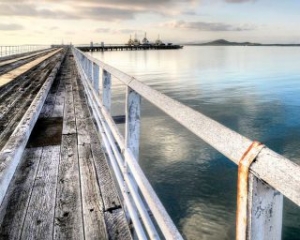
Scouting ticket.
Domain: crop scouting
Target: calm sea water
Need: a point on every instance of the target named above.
(252, 90)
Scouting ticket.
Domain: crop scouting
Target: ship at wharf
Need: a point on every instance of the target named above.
(66, 172)
(116, 47)
(132, 44)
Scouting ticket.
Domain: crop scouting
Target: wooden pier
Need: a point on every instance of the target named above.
(62, 187)
(66, 171)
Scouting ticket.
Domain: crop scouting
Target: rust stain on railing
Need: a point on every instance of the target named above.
(242, 188)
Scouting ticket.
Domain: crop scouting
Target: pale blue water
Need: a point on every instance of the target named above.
(253, 90)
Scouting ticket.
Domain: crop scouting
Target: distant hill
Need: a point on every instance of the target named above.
(223, 42)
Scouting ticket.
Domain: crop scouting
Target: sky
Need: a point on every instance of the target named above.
(176, 21)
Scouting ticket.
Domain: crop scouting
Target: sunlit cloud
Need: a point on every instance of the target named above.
(10, 27)
(33, 11)
(207, 26)
(91, 9)
(118, 31)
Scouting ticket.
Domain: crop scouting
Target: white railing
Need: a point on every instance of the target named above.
(263, 178)
(18, 49)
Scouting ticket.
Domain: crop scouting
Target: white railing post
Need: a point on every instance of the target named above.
(132, 128)
(106, 89)
(265, 211)
(84, 63)
(88, 69)
(96, 77)
(81, 59)
(86, 66)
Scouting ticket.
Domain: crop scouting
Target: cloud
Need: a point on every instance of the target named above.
(10, 27)
(106, 13)
(53, 28)
(118, 31)
(31, 10)
(104, 10)
(103, 30)
(83, 12)
(208, 26)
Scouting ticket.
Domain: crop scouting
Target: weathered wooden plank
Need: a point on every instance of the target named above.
(14, 206)
(81, 108)
(117, 226)
(39, 218)
(68, 210)
(108, 189)
(84, 136)
(58, 110)
(48, 106)
(93, 216)
(265, 210)
(69, 125)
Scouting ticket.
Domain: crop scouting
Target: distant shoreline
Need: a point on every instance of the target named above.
(222, 42)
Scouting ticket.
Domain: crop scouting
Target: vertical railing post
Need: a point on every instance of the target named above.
(96, 77)
(265, 210)
(132, 127)
(83, 63)
(90, 66)
(106, 89)
(87, 67)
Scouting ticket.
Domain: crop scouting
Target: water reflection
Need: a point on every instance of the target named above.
(252, 90)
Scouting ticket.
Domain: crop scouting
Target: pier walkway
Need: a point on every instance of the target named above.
(62, 187)
(66, 171)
